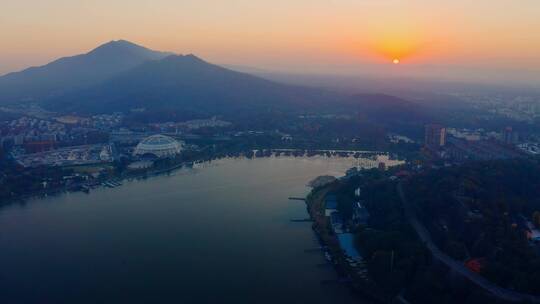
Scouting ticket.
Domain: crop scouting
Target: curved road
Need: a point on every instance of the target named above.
(458, 267)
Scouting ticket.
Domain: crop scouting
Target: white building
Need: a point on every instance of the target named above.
(160, 146)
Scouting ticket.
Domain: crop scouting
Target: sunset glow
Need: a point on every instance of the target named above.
(283, 35)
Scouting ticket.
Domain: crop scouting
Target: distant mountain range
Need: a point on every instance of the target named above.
(120, 76)
(189, 83)
(71, 73)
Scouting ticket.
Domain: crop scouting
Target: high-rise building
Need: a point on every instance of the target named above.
(435, 136)
(510, 136)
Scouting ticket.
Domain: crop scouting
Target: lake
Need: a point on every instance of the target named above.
(218, 233)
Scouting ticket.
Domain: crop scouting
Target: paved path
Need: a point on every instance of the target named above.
(458, 267)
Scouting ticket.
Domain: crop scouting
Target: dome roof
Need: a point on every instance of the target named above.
(158, 145)
(158, 140)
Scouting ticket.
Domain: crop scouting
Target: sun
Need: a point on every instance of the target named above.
(395, 61)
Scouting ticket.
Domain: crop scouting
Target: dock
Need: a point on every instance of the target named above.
(306, 220)
(112, 184)
(292, 198)
(336, 281)
(318, 249)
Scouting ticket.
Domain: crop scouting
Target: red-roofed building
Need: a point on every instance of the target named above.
(475, 265)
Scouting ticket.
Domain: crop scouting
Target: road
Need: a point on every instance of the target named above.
(457, 266)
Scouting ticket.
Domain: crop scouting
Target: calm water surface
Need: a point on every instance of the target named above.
(219, 233)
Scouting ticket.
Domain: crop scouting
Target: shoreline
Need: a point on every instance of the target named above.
(86, 187)
(365, 289)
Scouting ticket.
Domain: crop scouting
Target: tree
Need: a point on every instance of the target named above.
(536, 218)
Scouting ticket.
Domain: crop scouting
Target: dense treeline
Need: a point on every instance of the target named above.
(397, 261)
(481, 211)
(16, 182)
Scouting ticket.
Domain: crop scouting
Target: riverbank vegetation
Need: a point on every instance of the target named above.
(398, 264)
(485, 214)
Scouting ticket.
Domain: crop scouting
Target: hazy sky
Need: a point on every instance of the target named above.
(469, 39)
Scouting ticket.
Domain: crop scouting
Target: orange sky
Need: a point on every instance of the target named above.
(337, 36)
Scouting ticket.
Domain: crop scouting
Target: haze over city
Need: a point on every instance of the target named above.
(300, 151)
(453, 40)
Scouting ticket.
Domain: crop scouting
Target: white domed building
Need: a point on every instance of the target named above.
(160, 146)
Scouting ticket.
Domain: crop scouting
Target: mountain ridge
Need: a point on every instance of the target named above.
(186, 81)
(72, 72)
(125, 76)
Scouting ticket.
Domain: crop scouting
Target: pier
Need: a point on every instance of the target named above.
(311, 250)
(292, 198)
(306, 220)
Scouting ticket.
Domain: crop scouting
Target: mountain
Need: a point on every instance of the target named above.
(120, 76)
(389, 107)
(188, 83)
(70, 73)
(397, 114)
